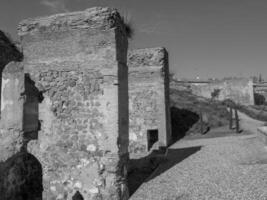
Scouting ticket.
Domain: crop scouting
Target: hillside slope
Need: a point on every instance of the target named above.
(186, 109)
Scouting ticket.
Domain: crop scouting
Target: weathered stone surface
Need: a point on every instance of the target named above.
(148, 57)
(9, 52)
(12, 101)
(148, 98)
(92, 18)
(240, 90)
(20, 172)
(78, 62)
(11, 128)
(91, 34)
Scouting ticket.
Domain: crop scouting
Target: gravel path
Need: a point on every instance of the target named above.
(248, 123)
(226, 168)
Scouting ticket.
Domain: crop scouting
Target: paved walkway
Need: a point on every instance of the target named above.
(224, 168)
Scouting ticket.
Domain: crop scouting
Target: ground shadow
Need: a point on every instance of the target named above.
(173, 157)
(140, 169)
(181, 121)
(147, 168)
(21, 178)
(31, 122)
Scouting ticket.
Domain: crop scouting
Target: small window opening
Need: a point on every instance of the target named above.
(152, 138)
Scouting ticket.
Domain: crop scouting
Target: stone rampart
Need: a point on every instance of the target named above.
(240, 90)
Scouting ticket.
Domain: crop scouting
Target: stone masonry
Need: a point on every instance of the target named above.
(68, 106)
(65, 119)
(11, 110)
(8, 53)
(239, 90)
(148, 100)
(20, 172)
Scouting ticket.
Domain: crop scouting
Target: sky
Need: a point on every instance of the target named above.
(204, 38)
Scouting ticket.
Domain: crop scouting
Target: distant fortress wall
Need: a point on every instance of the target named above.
(240, 90)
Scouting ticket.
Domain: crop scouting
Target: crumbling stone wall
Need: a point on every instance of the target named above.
(77, 61)
(11, 85)
(8, 53)
(148, 98)
(11, 137)
(240, 90)
(20, 172)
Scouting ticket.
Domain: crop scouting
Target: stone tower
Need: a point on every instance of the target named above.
(77, 62)
(148, 100)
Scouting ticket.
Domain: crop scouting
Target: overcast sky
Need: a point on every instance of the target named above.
(205, 38)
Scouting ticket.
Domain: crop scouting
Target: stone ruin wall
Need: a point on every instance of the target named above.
(148, 98)
(8, 52)
(77, 62)
(20, 172)
(65, 107)
(11, 110)
(240, 90)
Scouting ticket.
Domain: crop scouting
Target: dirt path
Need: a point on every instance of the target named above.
(232, 167)
(248, 123)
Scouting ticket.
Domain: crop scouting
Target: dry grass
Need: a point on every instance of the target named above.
(214, 113)
(255, 111)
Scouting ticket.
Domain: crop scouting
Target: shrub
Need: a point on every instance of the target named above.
(215, 94)
(128, 27)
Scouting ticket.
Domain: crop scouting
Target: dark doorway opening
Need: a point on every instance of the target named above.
(21, 178)
(152, 138)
